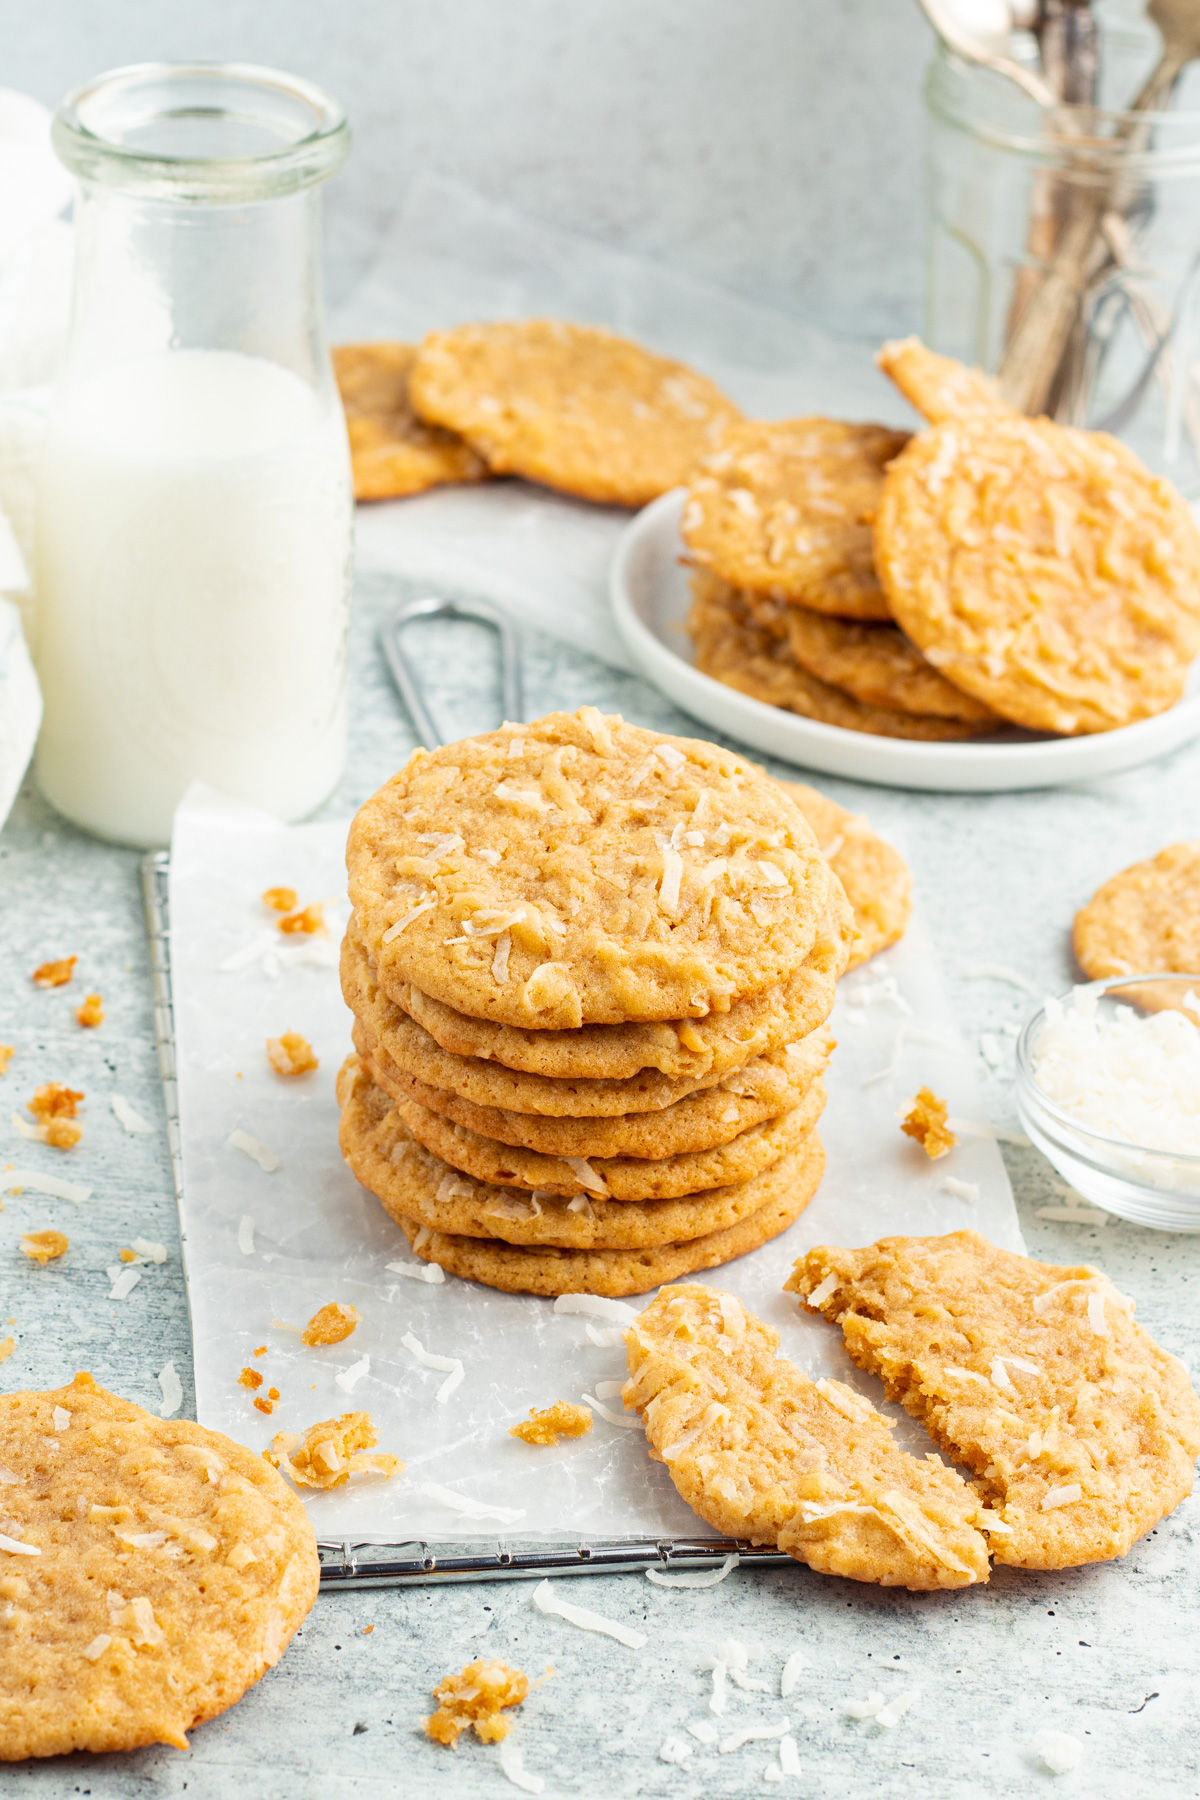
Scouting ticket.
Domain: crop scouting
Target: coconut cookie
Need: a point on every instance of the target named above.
(152, 1572)
(1146, 920)
(680, 1049)
(412, 1183)
(873, 663)
(763, 1452)
(571, 406)
(732, 647)
(803, 1003)
(701, 1121)
(612, 1177)
(1080, 1431)
(786, 508)
(393, 452)
(1043, 570)
(614, 1273)
(582, 871)
(940, 388)
(876, 878)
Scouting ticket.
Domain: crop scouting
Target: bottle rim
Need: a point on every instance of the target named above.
(312, 132)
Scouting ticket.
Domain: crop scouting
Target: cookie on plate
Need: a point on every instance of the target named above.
(1043, 570)
(582, 871)
(153, 1571)
(700, 1121)
(410, 1182)
(572, 406)
(786, 509)
(1146, 919)
(940, 388)
(731, 646)
(680, 1049)
(876, 879)
(761, 1451)
(614, 1273)
(873, 663)
(1079, 1430)
(393, 452)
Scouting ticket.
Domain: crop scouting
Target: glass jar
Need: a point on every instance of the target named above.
(1105, 203)
(195, 510)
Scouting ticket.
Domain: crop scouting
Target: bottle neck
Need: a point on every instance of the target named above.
(154, 275)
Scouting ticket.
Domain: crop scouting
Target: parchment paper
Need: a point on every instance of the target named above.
(318, 1236)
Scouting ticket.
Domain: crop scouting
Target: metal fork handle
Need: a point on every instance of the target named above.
(403, 674)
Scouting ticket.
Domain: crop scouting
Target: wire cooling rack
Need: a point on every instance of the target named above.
(347, 1565)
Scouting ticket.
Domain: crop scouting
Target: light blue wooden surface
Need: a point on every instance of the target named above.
(999, 878)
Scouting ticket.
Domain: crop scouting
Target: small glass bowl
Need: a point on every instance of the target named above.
(1149, 1187)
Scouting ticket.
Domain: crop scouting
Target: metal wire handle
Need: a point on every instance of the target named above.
(403, 674)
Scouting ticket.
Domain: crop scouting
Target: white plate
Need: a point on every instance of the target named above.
(650, 597)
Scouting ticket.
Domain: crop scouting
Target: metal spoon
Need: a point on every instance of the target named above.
(978, 31)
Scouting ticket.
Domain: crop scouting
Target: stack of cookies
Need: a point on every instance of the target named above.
(590, 968)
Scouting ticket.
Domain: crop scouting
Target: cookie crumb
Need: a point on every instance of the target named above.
(54, 974)
(91, 1013)
(44, 1246)
(310, 920)
(329, 1452)
(474, 1700)
(560, 1420)
(367, 1630)
(291, 1054)
(264, 1406)
(280, 899)
(333, 1324)
(7, 1346)
(7, 1052)
(261, 1351)
(925, 1121)
(250, 1378)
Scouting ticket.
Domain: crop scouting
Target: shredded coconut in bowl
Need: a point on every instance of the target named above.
(1123, 1073)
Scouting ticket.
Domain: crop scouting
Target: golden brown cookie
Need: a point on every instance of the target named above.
(518, 1270)
(876, 878)
(763, 1452)
(1146, 920)
(411, 1182)
(582, 871)
(394, 453)
(873, 663)
(572, 406)
(490, 1063)
(700, 1121)
(1043, 570)
(732, 647)
(165, 1569)
(940, 388)
(680, 1050)
(786, 508)
(1080, 1431)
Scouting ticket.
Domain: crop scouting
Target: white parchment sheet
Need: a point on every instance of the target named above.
(318, 1236)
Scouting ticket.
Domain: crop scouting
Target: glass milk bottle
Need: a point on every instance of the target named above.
(195, 512)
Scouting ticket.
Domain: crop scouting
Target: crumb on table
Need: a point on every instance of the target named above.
(310, 920)
(44, 1246)
(291, 1054)
(250, 1378)
(91, 1013)
(563, 1419)
(926, 1122)
(332, 1324)
(7, 1052)
(281, 899)
(7, 1346)
(55, 1105)
(330, 1451)
(54, 974)
(474, 1700)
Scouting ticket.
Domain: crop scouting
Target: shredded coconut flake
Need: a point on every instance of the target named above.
(988, 971)
(672, 875)
(583, 1171)
(693, 1578)
(753, 1734)
(172, 1391)
(631, 1422)
(354, 1374)
(448, 1365)
(250, 1146)
(1095, 1313)
(789, 1756)
(98, 1646)
(820, 1294)
(512, 1764)
(1058, 1750)
(147, 1251)
(124, 1278)
(960, 1190)
(62, 1418)
(44, 1184)
(596, 1307)
(894, 1711)
(1061, 1496)
(500, 957)
(703, 1731)
(791, 1673)
(15, 1547)
(547, 1601)
(402, 923)
(245, 1235)
(864, 1709)
(674, 1750)
(1122, 1073)
(133, 1121)
(471, 1509)
(432, 1273)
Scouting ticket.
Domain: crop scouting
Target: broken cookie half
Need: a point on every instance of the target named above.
(763, 1452)
(1080, 1431)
